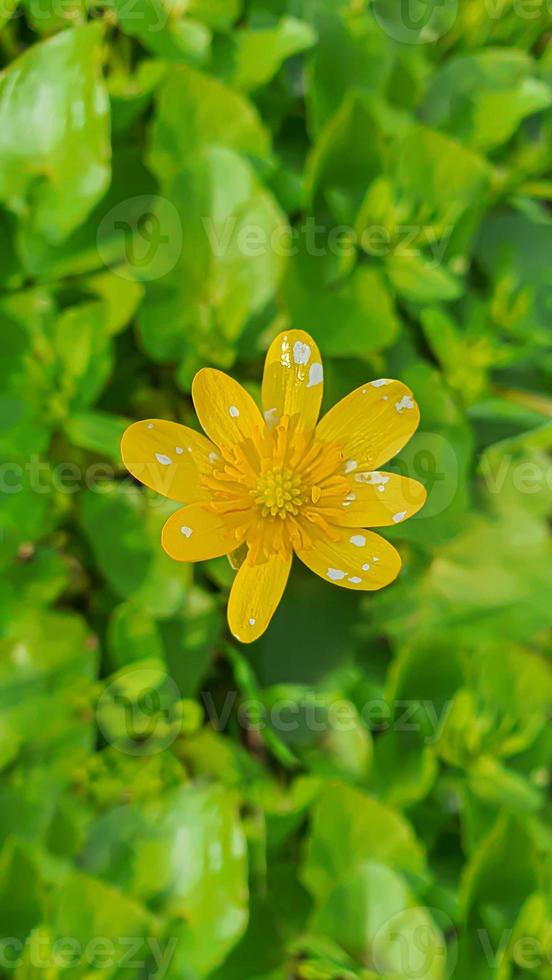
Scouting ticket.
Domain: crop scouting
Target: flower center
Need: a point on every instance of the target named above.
(278, 493)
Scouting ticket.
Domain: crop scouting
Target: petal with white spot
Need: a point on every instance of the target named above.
(368, 426)
(150, 452)
(292, 379)
(343, 562)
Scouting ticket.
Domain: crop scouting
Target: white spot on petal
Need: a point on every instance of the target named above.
(189, 449)
(366, 567)
(379, 382)
(375, 558)
(301, 353)
(284, 355)
(164, 460)
(214, 457)
(336, 574)
(271, 417)
(405, 402)
(359, 540)
(399, 517)
(373, 478)
(355, 580)
(186, 531)
(350, 465)
(150, 425)
(252, 621)
(234, 412)
(316, 374)
(179, 450)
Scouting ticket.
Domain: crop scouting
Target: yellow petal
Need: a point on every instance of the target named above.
(195, 533)
(256, 592)
(372, 423)
(361, 560)
(293, 379)
(379, 499)
(225, 409)
(168, 458)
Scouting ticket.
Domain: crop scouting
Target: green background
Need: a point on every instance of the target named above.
(363, 792)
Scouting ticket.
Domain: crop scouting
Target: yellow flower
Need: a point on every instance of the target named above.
(283, 483)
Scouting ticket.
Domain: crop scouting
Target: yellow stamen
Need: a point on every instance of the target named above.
(278, 493)
(280, 485)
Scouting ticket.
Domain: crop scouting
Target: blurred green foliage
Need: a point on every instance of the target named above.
(363, 793)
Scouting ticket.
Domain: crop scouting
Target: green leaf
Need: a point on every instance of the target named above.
(352, 54)
(97, 431)
(195, 111)
(190, 640)
(48, 662)
(7, 9)
(120, 294)
(185, 851)
(404, 769)
(442, 178)
(86, 907)
(420, 280)
(340, 165)
(108, 238)
(85, 354)
(131, 92)
(163, 30)
(254, 55)
(496, 784)
(218, 14)
(373, 916)
(500, 873)
(124, 534)
(351, 317)
(512, 251)
(482, 98)
(231, 259)
(20, 889)
(349, 828)
(54, 119)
